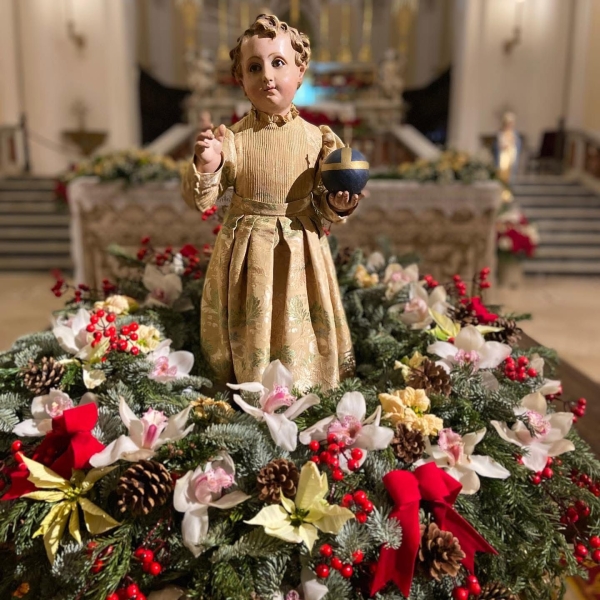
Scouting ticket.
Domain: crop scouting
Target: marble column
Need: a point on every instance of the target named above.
(10, 84)
(464, 96)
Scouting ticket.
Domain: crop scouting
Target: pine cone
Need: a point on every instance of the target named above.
(408, 445)
(511, 334)
(465, 315)
(430, 377)
(496, 591)
(143, 487)
(440, 552)
(40, 379)
(279, 474)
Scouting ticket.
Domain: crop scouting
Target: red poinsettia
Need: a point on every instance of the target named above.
(68, 446)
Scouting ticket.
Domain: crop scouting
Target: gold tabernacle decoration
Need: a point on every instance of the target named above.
(345, 51)
(346, 162)
(295, 12)
(365, 54)
(191, 13)
(405, 11)
(223, 52)
(244, 15)
(324, 54)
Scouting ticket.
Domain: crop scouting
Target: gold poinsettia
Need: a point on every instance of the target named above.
(409, 407)
(364, 279)
(66, 497)
(300, 520)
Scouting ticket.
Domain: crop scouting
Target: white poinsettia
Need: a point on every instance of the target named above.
(540, 434)
(417, 311)
(167, 365)
(45, 408)
(276, 393)
(146, 435)
(470, 347)
(396, 277)
(350, 426)
(199, 490)
(454, 454)
(164, 288)
(300, 520)
(168, 593)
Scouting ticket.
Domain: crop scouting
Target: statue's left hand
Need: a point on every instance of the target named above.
(343, 202)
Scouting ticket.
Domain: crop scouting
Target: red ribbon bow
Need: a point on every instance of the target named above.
(69, 445)
(431, 484)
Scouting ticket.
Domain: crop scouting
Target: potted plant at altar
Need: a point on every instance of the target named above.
(517, 240)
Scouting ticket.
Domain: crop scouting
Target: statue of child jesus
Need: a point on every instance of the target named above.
(271, 290)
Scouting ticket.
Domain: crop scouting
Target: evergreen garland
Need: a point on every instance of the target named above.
(523, 520)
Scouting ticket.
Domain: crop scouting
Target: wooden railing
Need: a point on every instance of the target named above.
(12, 155)
(583, 155)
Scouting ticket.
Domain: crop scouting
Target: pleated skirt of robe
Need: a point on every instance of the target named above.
(270, 293)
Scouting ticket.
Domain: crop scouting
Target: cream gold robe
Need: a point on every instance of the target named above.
(271, 290)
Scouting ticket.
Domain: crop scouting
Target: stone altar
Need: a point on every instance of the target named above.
(451, 227)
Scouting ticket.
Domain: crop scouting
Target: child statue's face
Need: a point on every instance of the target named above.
(270, 76)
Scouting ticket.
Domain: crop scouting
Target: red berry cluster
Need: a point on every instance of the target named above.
(99, 560)
(583, 480)
(328, 455)
(101, 325)
(582, 551)
(574, 512)
(209, 212)
(552, 397)
(129, 592)
(189, 254)
(459, 285)
(578, 409)
(149, 565)
(346, 569)
(545, 473)
(360, 501)
(15, 448)
(472, 588)
(519, 370)
(430, 281)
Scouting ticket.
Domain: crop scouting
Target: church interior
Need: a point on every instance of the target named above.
(480, 120)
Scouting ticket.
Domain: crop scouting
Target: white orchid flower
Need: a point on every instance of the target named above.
(44, 409)
(275, 393)
(73, 337)
(542, 435)
(168, 365)
(164, 288)
(198, 490)
(470, 347)
(454, 454)
(549, 386)
(396, 277)
(146, 435)
(350, 426)
(417, 311)
(310, 588)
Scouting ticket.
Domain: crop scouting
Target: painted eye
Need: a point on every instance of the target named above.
(255, 68)
(278, 62)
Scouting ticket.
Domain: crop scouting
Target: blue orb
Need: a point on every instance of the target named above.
(345, 170)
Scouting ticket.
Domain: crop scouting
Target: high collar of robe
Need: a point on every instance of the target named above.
(262, 117)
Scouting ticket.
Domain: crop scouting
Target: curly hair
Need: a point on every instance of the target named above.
(269, 26)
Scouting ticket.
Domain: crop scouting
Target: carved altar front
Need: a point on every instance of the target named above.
(451, 227)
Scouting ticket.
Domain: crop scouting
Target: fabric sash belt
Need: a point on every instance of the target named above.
(297, 208)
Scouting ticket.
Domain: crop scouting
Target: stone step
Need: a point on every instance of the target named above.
(35, 263)
(551, 190)
(535, 213)
(566, 252)
(23, 247)
(562, 267)
(553, 201)
(34, 220)
(26, 196)
(27, 183)
(567, 225)
(543, 180)
(28, 207)
(568, 237)
(34, 233)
